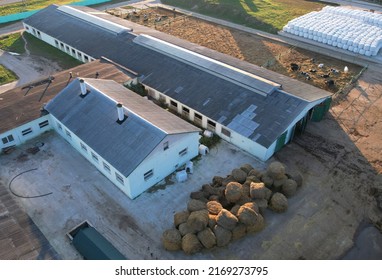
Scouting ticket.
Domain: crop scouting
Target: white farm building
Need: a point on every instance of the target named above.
(255, 109)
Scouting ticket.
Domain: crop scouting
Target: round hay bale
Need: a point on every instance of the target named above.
(298, 179)
(246, 168)
(233, 192)
(246, 189)
(257, 190)
(253, 205)
(213, 198)
(226, 219)
(255, 172)
(227, 180)
(276, 170)
(262, 204)
(198, 220)
(239, 175)
(185, 229)
(197, 195)
(251, 179)
(243, 200)
(217, 181)
(212, 221)
(268, 194)
(214, 207)
(239, 231)
(258, 226)
(191, 244)
(172, 240)
(247, 215)
(235, 209)
(289, 187)
(223, 236)
(277, 184)
(278, 203)
(195, 205)
(180, 218)
(210, 190)
(225, 203)
(268, 181)
(207, 238)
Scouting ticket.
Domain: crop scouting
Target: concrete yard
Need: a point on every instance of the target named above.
(326, 220)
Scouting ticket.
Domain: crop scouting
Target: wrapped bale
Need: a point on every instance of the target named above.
(191, 244)
(195, 205)
(207, 238)
(185, 229)
(239, 231)
(208, 189)
(278, 203)
(217, 181)
(226, 219)
(212, 221)
(247, 216)
(257, 190)
(214, 207)
(172, 240)
(262, 204)
(180, 218)
(289, 187)
(276, 170)
(258, 226)
(233, 192)
(198, 220)
(268, 181)
(223, 236)
(246, 168)
(239, 175)
(255, 172)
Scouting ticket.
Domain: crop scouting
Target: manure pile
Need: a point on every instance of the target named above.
(229, 208)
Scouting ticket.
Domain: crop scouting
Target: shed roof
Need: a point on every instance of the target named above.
(93, 119)
(246, 110)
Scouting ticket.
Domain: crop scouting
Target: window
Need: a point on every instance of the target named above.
(73, 52)
(173, 103)
(62, 45)
(226, 132)
(43, 124)
(86, 58)
(26, 27)
(183, 152)
(119, 178)
(106, 167)
(186, 110)
(94, 156)
(165, 146)
(56, 42)
(197, 116)
(79, 54)
(148, 174)
(39, 34)
(59, 126)
(68, 133)
(7, 139)
(67, 49)
(26, 131)
(211, 123)
(84, 147)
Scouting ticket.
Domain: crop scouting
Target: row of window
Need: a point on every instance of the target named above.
(25, 132)
(71, 51)
(198, 118)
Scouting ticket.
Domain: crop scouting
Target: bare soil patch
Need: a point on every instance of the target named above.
(257, 50)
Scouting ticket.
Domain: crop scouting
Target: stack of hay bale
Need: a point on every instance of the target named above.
(229, 208)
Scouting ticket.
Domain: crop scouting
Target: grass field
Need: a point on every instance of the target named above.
(6, 75)
(12, 43)
(30, 6)
(265, 15)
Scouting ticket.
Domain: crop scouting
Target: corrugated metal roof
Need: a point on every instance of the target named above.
(215, 97)
(94, 120)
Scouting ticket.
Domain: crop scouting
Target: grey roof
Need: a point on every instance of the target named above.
(246, 110)
(94, 120)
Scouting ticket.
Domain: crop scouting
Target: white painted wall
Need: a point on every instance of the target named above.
(51, 41)
(162, 162)
(19, 138)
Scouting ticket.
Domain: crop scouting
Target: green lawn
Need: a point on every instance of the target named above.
(12, 43)
(265, 15)
(30, 5)
(6, 75)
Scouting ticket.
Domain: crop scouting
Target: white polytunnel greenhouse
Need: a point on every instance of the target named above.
(356, 31)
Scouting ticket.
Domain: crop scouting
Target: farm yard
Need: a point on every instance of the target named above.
(275, 56)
